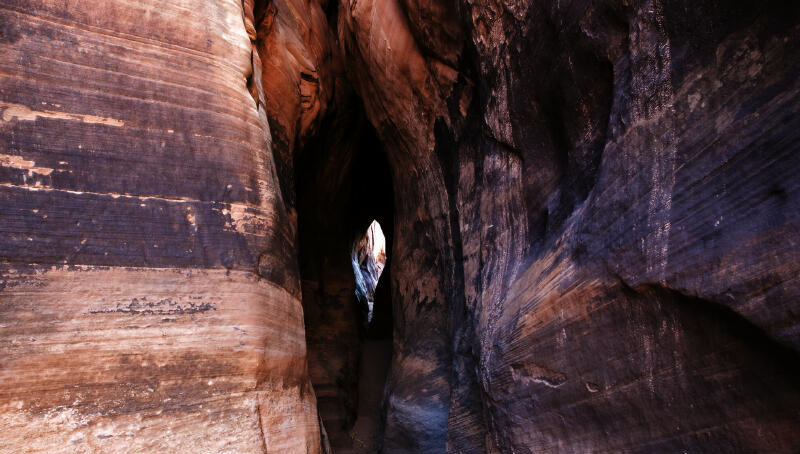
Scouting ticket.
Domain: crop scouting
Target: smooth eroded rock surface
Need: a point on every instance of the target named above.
(138, 196)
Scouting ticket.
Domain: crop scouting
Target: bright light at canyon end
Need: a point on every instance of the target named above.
(377, 240)
(369, 259)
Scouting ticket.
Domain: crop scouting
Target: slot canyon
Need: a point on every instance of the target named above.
(399, 226)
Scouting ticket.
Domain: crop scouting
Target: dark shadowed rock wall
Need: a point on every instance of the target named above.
(596, 200)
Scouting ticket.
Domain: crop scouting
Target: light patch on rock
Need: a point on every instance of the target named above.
(20, 112)
(17, 162)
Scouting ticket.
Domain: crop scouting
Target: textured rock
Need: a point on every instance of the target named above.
(590, 208)
(298, 78)
(137, 195)
(605, 260)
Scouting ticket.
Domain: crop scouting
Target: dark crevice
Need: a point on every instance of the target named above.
(344, 183)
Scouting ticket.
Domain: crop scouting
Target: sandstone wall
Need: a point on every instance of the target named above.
(138, 196)
(600, 196)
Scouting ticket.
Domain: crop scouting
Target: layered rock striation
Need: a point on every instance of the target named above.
(138, 201)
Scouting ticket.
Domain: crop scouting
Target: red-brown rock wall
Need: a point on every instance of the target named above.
(637, 154)
(138, 196)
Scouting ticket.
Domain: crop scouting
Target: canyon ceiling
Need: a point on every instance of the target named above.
(591, 208)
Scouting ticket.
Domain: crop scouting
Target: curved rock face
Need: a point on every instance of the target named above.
(578, 176)
(138, 200)
(591, 212)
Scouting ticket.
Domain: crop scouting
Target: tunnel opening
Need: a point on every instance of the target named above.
(345, 209)
(368, 259)
(373, 295)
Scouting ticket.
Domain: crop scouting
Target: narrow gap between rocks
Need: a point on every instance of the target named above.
(345, 200)
(368, 259)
